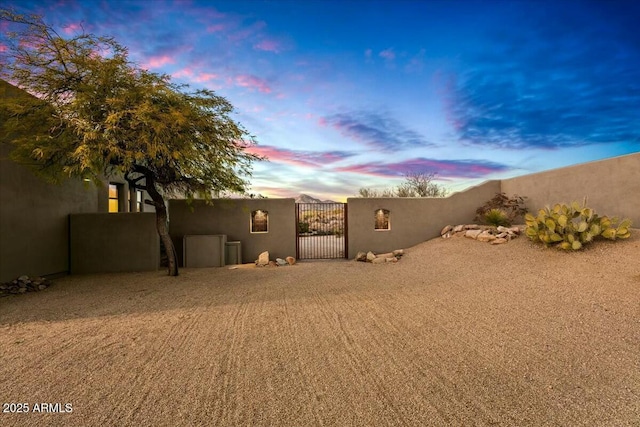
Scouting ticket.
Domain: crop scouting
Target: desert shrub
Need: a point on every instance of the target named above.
(496, 217)
(572, 226)
(512, 207)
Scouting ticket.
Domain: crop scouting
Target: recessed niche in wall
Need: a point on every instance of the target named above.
(259, 221)
(382, 220)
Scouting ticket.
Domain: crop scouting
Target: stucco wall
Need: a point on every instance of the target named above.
(34, 220)
(611, 186)
(232, 217)
(105, 243)
(412, 220)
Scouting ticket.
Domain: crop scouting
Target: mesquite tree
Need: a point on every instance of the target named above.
(95, 114)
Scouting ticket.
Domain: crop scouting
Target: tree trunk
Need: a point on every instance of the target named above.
(161, 219)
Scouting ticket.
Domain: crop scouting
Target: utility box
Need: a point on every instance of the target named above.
(204, 250)
(233, 253)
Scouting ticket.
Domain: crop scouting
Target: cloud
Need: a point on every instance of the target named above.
(72, 28)
(551, 87)
(252, 82)
(194, 76)
(157, 61)
(443, 168)
(269, 45)
(388, 54)
(377, 130)
(299, 158)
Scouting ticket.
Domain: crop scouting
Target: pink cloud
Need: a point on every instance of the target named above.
(158, 61)
(216, 28)
(198, 77)
(269, 46)
(298, 158)
(72, 28)
(388, 54)
(252, 82)
(444, 168)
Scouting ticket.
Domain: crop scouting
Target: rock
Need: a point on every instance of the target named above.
(378, 261)
(398, 252)
(515, 230)
(445, 230)
(42, 287)
(485, 236)
(458, 228)
(472, 234)
(273, 264)
(502, 229)
(263, 259)
(281, 262)
(370, 256)
(291, 260)
(386, 255)
(361, 256)
(499, 241)
(471, 227)
(23, 278)
(391, 259)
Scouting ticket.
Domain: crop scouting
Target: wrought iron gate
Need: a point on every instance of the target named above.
(321, 230)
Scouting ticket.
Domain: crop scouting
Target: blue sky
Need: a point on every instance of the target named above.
(348, 94)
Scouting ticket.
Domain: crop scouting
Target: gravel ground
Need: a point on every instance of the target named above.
(457, 333)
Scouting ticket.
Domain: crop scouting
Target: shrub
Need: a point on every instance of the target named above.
(496, 217)
(512, 207)
(572, 226)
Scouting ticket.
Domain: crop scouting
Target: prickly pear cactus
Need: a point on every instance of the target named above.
(572, 226)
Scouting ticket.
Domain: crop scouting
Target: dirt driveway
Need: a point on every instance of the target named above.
(457, 333)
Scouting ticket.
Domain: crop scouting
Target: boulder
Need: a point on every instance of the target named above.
(361, 256)
(263, 259)
(386, 255)
(370, 256)
(391, 259)
(472, 234)
(291, 260)
(445, 230)
(378, 261)
(458, 228)
(485, 236)
(398, 252)
(281, 262)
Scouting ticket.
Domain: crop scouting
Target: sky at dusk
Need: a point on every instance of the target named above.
(348, 94)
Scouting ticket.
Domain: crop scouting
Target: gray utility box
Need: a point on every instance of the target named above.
(204, 250)
(233, 253)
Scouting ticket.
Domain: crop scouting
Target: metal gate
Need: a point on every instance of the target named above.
(321, 231)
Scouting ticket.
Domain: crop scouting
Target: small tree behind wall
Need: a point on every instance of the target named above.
(94, 113)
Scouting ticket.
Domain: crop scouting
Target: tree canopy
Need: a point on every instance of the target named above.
(419, 184)
(95, 113)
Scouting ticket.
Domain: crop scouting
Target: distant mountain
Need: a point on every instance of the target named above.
(305, 198)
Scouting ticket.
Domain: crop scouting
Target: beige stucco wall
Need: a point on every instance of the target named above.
(611, 186)
(412, 220)
(34, 220)
(232, 217)
(117, 242)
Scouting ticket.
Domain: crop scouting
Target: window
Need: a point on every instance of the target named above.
(137, 203)
(259, 221)
(114, 198)
(382, 220)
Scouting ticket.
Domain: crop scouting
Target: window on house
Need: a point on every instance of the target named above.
(259, 221)
(136, 204)
(114, 198)
(382, 220)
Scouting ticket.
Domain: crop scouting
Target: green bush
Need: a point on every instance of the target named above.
(512, 207)
(572, 226)
(496, 217)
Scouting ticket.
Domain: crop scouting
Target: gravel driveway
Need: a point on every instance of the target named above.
(457, 333)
